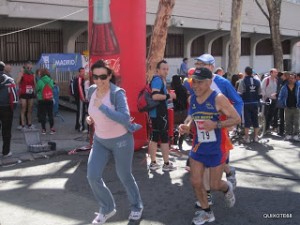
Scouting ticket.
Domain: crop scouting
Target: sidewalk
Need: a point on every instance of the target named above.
(66, 138)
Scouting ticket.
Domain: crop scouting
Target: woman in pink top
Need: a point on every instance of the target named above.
(108, 111)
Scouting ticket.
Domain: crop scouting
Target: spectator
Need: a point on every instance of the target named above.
(240, 77)
(180, 104)
(282, 80)
(8, 97)
(26, 82)
(269, 93)
(250, 90)
(219, 71)
(45, 106)
(78, 91)
(184, 68)
(187, 82)
(8, 69)
(159, 118)
(289, 98)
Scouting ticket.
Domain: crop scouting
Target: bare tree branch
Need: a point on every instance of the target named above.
(262, 10)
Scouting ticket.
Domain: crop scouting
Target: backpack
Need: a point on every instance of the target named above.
(145, 103)
(73, 87)
(47, 92)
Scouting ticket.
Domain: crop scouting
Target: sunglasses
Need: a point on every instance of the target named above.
(101, 77)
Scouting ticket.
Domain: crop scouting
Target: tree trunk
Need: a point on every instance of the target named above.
(274, 8)
(235, 38)
(159, 36)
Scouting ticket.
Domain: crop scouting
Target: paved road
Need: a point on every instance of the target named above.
(54, 190)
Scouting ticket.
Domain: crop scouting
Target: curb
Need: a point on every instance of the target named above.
(28, 156)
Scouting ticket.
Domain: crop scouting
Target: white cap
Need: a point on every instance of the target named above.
(2, 63)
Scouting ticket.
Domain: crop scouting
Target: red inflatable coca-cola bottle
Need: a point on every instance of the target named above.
(103, 42)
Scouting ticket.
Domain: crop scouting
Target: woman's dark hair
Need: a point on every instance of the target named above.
(234, 79)
(176, 82)
(45, 72)
(102, 64)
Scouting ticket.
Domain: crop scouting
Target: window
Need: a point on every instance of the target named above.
(264, 47)
(217, 47)
(174, 46)
(29, 44)
(197, 47)
(81, 43)
(245, 46)
(286, 47)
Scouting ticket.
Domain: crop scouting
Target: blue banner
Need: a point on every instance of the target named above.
(61, 62)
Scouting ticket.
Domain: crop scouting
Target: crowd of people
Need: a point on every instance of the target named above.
(206, 105)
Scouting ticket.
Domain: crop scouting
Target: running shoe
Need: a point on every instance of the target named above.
(247, 140)
(201, 217)
(43, 131)
(229, 196)
(231, 177)
(288, 137)
(31, 126)
(168, 167)
(154, 166)
(209, 199)
(101, 218)
(296, 138)
(135, 215)
(8, 155)
(52, 131)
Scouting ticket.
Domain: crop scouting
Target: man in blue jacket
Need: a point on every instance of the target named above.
(289, 98)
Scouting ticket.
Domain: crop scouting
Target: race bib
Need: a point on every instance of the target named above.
(29, 89)
(204, 136)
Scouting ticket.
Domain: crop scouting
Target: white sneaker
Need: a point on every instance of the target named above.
(201, 217)
(168, 167)
(231, 178)
(247, 140)
(154, 166)
(288, 137)
(101, 219)
(8, 155)
(296, 138)
(229, 196)
(135, 215)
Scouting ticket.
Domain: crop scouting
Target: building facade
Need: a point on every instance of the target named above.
(29, 28)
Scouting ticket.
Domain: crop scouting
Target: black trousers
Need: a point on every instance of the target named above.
(271, 115)
(6, 118)
(45, 108)
(80, 114)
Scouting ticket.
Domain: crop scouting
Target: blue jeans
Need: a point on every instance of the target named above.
(122, 149)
